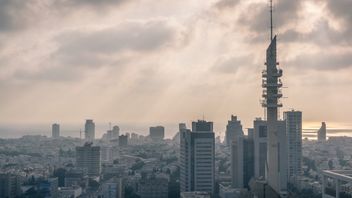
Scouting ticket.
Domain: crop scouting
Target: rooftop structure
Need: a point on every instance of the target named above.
(333, 180)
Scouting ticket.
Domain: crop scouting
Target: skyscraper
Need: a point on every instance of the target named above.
(260, 147)
(322, 133)
(123, 140)
(294, 139)
(242, 161)
(233, 128)
(197, 158)
(115, 132)
(276, 132)
(157, 133)
(89, 130)
(55, 130)
(88, 157)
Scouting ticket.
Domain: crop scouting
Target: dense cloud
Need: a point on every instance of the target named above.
(95, 47)
(256, 16)
(226, 4)
(141, 56)
(14, 14)
(231, 64)
(322, 61)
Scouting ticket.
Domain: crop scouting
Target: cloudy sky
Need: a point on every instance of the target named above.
(168, 61)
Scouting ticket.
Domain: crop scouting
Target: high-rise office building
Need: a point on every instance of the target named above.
(294, 139)
(89, 130)
(322, 133)
(123, 140)
(10, 185)
(260, 147)
(157, 133)
(88, 157)
(261, 152)
(233, 129)
(197, 158)
(242, 161)
(115, 132)
(55, 130)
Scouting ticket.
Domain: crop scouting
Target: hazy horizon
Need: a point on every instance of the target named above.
(73, 129)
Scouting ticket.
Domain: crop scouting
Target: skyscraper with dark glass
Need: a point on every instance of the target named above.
(197, 158)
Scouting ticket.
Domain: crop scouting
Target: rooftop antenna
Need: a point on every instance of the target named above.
(271, 19)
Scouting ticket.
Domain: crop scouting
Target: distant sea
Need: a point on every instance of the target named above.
(73, 130)
(312, 133)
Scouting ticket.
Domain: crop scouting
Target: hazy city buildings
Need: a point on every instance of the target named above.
(197, 158)
(294, 140)
(88, 157)
(260, 147)
(322, 133)
(55, 130)
(89, 130)
(113, 188)
(233, 129)
(157, 133)
(242, 161)
(153, 187)
(196, 194)
(115, 132)
(10, 185)
(123, 140)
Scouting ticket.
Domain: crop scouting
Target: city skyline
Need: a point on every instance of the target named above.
(82, 68)
(185, 99)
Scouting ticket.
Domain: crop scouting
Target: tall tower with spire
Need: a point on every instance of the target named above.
(275, 171)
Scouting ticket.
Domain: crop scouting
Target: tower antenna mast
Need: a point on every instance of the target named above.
(271, 19)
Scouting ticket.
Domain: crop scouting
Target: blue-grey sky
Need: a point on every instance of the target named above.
(170, 61)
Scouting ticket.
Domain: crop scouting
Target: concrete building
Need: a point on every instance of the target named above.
(70, 192)
(197, 158)
(272, 94)
(260, 147)
(294, 139)
(115, 132)
(233, 129)
(237, 162)
(76, 177)
(123, 140)
(242, 161)
(88, 157)
(55, 130)
(322, 133)
(153, 188)
(195, 194)
(89, 130)
(333, 182)
(106, 153)
(10, 185)
(277, 141)
(157, 133)
(50, 187)
(113, 188)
